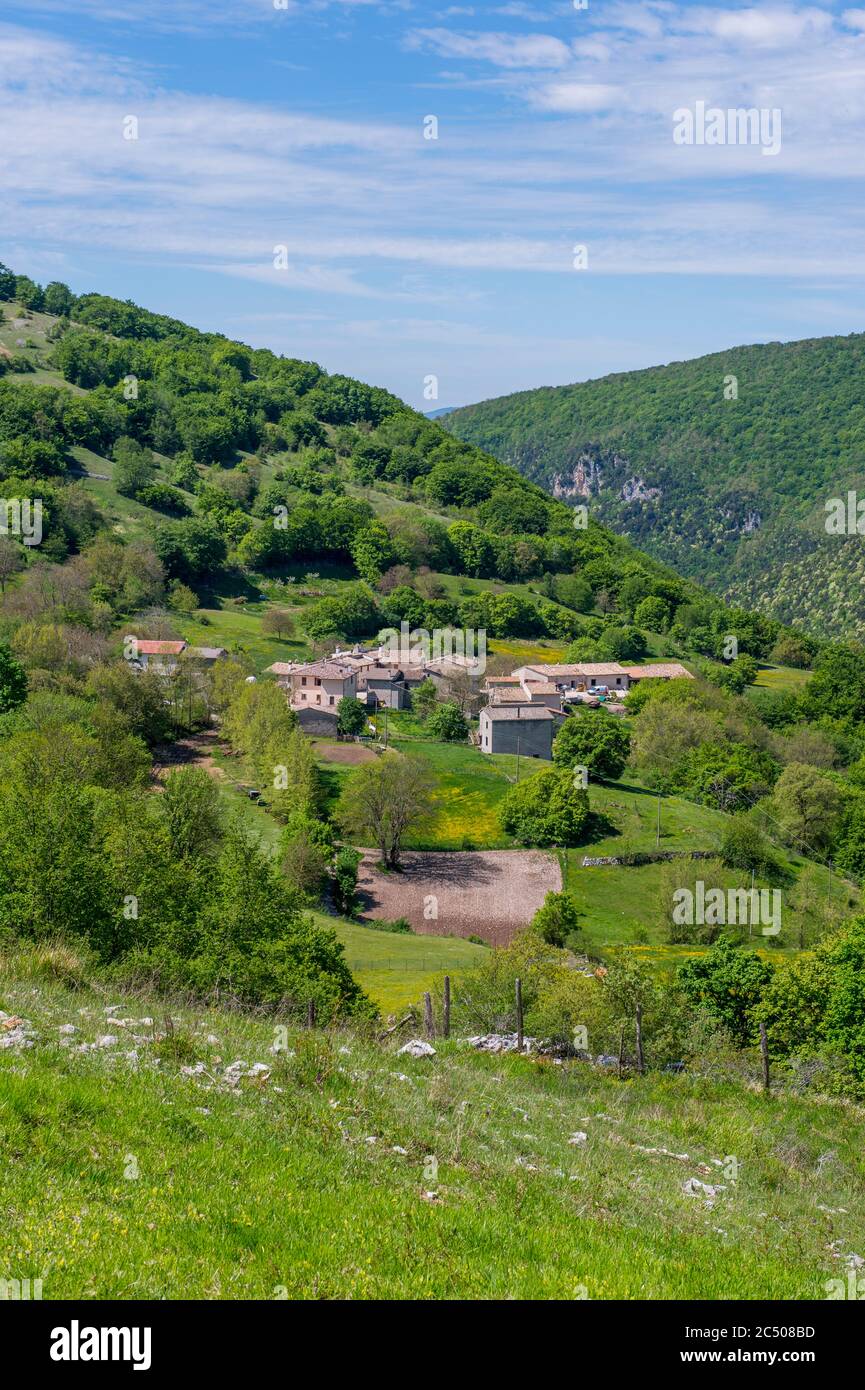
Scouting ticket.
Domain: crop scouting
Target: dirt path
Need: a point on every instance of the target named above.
(487, 893)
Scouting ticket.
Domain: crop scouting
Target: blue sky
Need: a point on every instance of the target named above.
(301, 125)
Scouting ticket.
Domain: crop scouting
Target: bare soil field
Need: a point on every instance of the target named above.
(332, 752)
(487, 893)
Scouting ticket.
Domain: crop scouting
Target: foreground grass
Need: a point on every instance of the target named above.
(121, 1177)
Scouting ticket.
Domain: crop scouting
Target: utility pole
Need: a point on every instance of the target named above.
(518, 754)
(385, 724)
(658, 838)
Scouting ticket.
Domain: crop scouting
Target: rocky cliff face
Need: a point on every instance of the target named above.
(593, 473)
(585, 479)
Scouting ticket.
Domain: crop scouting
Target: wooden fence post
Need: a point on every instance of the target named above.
(764, 1050)
(310, 1014)
(428, 1015)
(446, 1008)
(639, 1022)
(621, 1050)
(518, 990)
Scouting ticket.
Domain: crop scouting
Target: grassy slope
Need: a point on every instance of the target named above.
(274, 1190)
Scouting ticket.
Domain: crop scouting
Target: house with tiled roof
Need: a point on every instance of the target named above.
(317, 684)
(577, 677)
(151, 655)
(206, 656)
(525, 729)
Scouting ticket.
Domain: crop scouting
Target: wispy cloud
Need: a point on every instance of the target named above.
(504, 50)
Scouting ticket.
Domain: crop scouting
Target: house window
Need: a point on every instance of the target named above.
(331, 699)
(303, 680)
(317, 681)
(318, 699)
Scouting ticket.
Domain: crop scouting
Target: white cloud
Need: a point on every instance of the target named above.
(369, 209)
(769, 27)
(854, 19)
(576, 96)
(503, 50)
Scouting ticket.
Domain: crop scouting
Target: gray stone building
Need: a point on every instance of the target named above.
(525, 729)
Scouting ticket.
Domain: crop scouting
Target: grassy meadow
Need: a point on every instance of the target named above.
(348, 1172)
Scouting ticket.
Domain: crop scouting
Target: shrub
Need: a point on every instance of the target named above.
(448, 723)
(345, 867)
(400, 927)
(546, 809)
(596, 740)
(557, 920)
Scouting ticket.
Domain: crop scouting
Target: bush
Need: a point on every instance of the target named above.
(744, 846)
(345, 867)
(728, 983)
(351, 716)
(557, 920)
(596, 740)
(163, 498)
(546, 809)
(448, 723)
(400, 927)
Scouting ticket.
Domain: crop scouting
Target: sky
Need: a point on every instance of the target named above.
(283, 186)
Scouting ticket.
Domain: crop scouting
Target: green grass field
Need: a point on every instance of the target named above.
(238, 629)
(351, 1172)
(781, 678)
(394, 969)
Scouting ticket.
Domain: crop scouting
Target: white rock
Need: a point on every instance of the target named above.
(579, 1138)
(692, 1187)
(398, 1150)
(417, 1048)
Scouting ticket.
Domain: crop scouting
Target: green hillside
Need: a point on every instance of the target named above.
(143, 1158)
(722, 466)
(260, 480)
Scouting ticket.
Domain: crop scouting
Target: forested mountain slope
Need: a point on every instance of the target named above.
(723, 466)
(227, 462)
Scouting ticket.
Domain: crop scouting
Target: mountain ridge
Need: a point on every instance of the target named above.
(722, 464)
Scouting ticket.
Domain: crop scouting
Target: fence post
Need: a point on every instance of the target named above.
(764, 1051)
(428, 1015)
(639, 1022)
(621, 1050)
(310, 1014)
(518, 989)
(446, 1008)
